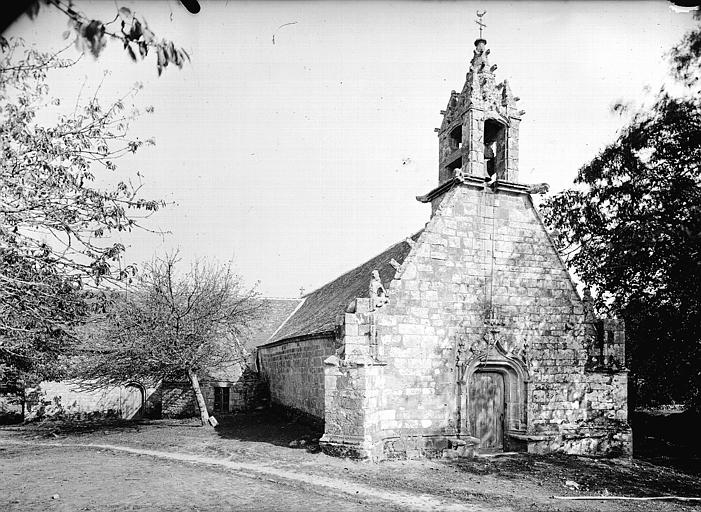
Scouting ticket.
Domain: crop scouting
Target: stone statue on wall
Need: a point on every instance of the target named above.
(480, 62)
(489, 160)
(378, 294)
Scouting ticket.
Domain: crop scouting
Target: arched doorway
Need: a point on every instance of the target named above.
(133, 399)
(495, 401)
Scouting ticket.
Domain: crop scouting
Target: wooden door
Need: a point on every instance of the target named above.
(221, 399)
(487, 409)
(132, 402)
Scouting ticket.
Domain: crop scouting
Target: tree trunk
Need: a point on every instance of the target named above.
(201, 404)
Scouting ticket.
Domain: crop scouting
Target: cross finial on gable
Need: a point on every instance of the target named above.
(480, 22)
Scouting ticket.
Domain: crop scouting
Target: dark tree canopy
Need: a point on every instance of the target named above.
(686, 57)
(631, 230)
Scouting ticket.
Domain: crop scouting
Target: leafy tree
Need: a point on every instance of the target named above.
(171, 326)
(686, 57)
(54, 217)
(631, 230)
(91, 35)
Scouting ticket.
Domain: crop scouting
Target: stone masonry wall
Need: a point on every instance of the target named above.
(485, 247)
(178, 400)
(246, 391)
(295, 373)
(593, 422)
(351, 394)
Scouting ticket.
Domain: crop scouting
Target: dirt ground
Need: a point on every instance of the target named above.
(247, 463)
(66, 479)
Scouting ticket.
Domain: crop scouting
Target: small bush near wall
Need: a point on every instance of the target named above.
(11, 410)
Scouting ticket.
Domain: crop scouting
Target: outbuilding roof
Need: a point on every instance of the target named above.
(272, 313)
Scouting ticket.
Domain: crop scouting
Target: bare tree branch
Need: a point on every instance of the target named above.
(171, 325)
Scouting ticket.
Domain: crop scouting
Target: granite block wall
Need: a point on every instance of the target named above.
(483, 288)
(294, 372)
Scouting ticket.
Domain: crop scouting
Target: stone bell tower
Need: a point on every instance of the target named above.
(479, 134)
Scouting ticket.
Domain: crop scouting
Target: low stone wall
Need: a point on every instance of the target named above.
(294, 371)
(613, 442)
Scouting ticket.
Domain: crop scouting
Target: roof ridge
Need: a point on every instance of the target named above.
(403, 240)
(321, 306)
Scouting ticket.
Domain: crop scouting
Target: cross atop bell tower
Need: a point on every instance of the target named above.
(479, 21)
(480, 129)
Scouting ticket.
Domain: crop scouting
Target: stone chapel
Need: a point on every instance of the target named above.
(468, 336)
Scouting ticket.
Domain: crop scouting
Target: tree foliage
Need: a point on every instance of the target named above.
(54, 217)
(686, 57)
(171, 326)
(631, 230)
(91, 35)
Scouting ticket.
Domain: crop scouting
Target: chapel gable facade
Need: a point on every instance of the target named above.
(468, 336)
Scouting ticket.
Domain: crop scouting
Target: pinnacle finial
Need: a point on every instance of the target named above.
(480, 22)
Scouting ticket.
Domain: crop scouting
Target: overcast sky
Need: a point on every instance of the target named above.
(301, 159)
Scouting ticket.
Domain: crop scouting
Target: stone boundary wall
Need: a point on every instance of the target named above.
(294, 371)
(66, 399)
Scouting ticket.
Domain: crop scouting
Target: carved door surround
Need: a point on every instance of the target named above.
(493, 354)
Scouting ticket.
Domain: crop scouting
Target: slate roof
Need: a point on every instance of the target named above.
(272, 313)
(318, 312)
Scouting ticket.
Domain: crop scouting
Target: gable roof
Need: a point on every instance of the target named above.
(273, 312)
(318, 312)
